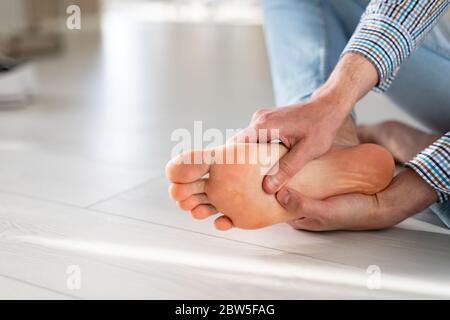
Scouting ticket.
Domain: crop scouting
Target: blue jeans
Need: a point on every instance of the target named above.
(305, 38)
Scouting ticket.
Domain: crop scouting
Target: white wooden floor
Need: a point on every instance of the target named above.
(82, 185)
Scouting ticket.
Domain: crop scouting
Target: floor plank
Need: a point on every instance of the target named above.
(12, 289)
(65, 179)
(123, 258)
(415, 249)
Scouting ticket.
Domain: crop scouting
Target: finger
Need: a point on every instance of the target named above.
(287, 167)
(223, 223)
(247, 135)
(299, 206)
(295, 223)
(357, 212)
(203, 211)
(308, 212)
(193, 201)
(257, 133)
(306, 224)
(344, 212)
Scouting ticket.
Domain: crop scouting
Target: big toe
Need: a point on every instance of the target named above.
(187, 167)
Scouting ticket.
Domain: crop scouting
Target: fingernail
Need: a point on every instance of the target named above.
(284, 196)
(273, 183)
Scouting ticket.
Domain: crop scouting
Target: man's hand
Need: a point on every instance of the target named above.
(407, 195)
(308, 129)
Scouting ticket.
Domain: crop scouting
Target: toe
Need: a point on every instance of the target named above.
(223, 223)
(203, 211)
(193, 201)
(182, 191)
(187, 167)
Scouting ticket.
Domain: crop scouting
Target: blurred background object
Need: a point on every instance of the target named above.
(17, 83)
(29, 29)
(33, 27)
(236, 12)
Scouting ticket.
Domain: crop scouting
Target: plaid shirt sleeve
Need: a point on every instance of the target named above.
(389, 30)
(433, 165)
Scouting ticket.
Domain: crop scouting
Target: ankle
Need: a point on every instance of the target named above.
(347, 135)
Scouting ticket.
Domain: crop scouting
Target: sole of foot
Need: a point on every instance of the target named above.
(228, 180)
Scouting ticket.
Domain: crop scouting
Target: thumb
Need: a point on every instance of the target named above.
(287, 167)
(298, 205)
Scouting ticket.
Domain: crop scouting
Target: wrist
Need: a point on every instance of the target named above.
(352, 78)
(407, 195)
(428, 193)
(339, 105)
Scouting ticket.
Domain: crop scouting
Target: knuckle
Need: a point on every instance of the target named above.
(265, 118)
(260, 112)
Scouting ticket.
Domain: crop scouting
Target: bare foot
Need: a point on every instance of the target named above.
(235, 190)
(403, 141)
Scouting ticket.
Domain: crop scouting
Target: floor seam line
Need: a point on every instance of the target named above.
(39, 286)
(32, 197)
(90, 209)
(89, 206)
(223, 238)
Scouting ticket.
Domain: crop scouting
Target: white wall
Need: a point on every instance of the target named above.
(11, 16)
